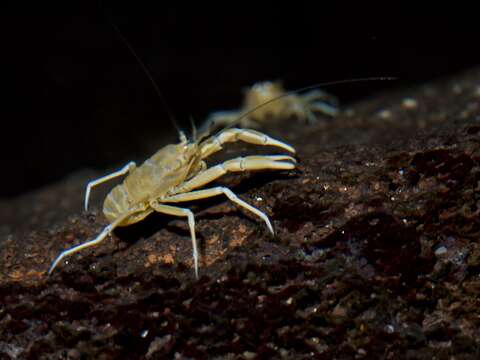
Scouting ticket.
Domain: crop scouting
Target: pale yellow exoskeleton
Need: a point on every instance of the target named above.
(173, 175)
(301, 106)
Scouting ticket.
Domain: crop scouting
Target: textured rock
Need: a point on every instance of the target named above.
(376, 255)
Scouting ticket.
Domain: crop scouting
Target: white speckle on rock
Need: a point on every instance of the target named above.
(409, 103)
(390, 329)
(442, 250)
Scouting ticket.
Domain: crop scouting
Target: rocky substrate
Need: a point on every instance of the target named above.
(376, 253)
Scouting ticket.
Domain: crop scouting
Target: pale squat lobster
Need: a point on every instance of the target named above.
(173, 175)
(301, 106)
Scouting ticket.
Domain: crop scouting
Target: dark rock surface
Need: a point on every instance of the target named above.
(376, 254)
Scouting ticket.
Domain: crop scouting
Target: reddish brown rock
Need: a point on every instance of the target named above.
(376, 253)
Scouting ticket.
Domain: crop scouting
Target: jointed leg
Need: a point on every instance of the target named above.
(323, 107)
(202, 194)
(219, 119)
(184, 193)
(127, 168)
(276, 162)
(214, 144)
(108, 229)
(319, 101)
(176, 211)
(105, 232)
(319, 95)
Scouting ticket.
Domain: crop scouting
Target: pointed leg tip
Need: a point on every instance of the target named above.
(55, 263)
(50, 270)
(287, 148)
(270, 228)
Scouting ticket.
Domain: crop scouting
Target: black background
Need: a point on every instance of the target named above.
(75, 97)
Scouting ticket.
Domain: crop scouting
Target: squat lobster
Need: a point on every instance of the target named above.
(172, 175)
(301, 106)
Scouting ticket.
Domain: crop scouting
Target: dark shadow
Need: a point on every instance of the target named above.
(156, 221)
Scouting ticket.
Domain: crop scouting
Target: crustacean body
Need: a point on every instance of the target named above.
(269, 100)
(173, 175)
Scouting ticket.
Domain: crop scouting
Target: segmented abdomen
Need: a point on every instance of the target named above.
(116, 203)
(136, 189)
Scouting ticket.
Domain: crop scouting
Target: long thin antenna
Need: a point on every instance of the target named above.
(147, 73)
